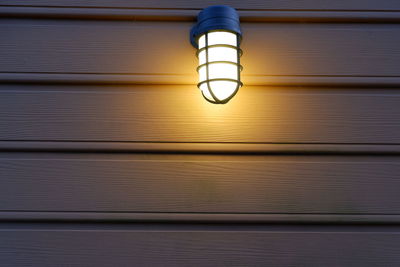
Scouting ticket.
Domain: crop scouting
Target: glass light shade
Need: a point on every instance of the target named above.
(219, 65)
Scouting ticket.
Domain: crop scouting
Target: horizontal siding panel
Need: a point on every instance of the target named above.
(71, 217)
(175, 79)
(201, 148)
(199, 183)
(198, 248)
(128, 47)
(249, 4)
(146, 14)
(179, 114)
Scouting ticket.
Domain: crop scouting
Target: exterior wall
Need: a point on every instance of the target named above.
(109, 155)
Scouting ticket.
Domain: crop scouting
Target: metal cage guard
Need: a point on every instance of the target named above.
(211, 19)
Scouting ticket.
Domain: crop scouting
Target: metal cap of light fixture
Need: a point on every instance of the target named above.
(215, 18)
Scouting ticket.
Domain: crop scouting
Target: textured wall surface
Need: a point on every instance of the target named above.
(109, 156)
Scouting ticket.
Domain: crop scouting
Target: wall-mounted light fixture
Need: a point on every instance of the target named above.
(217, 37)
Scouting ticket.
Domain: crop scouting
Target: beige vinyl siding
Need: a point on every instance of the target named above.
(109, 156)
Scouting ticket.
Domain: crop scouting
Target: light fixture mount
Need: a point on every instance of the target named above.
(217, 36)
(215, 18)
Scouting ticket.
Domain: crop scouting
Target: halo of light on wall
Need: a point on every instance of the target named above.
(217, 37)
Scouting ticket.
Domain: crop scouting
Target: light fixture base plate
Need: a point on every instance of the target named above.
(215, 18)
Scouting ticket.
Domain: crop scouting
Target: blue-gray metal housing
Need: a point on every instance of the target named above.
(215, 18)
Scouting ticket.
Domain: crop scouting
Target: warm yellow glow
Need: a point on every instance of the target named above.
(218, 71)
(223, 71)
(218, 54)
(206, 93)
(221, 89)
(218, 37)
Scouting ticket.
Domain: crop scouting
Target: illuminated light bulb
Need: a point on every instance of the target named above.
(217, 37)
